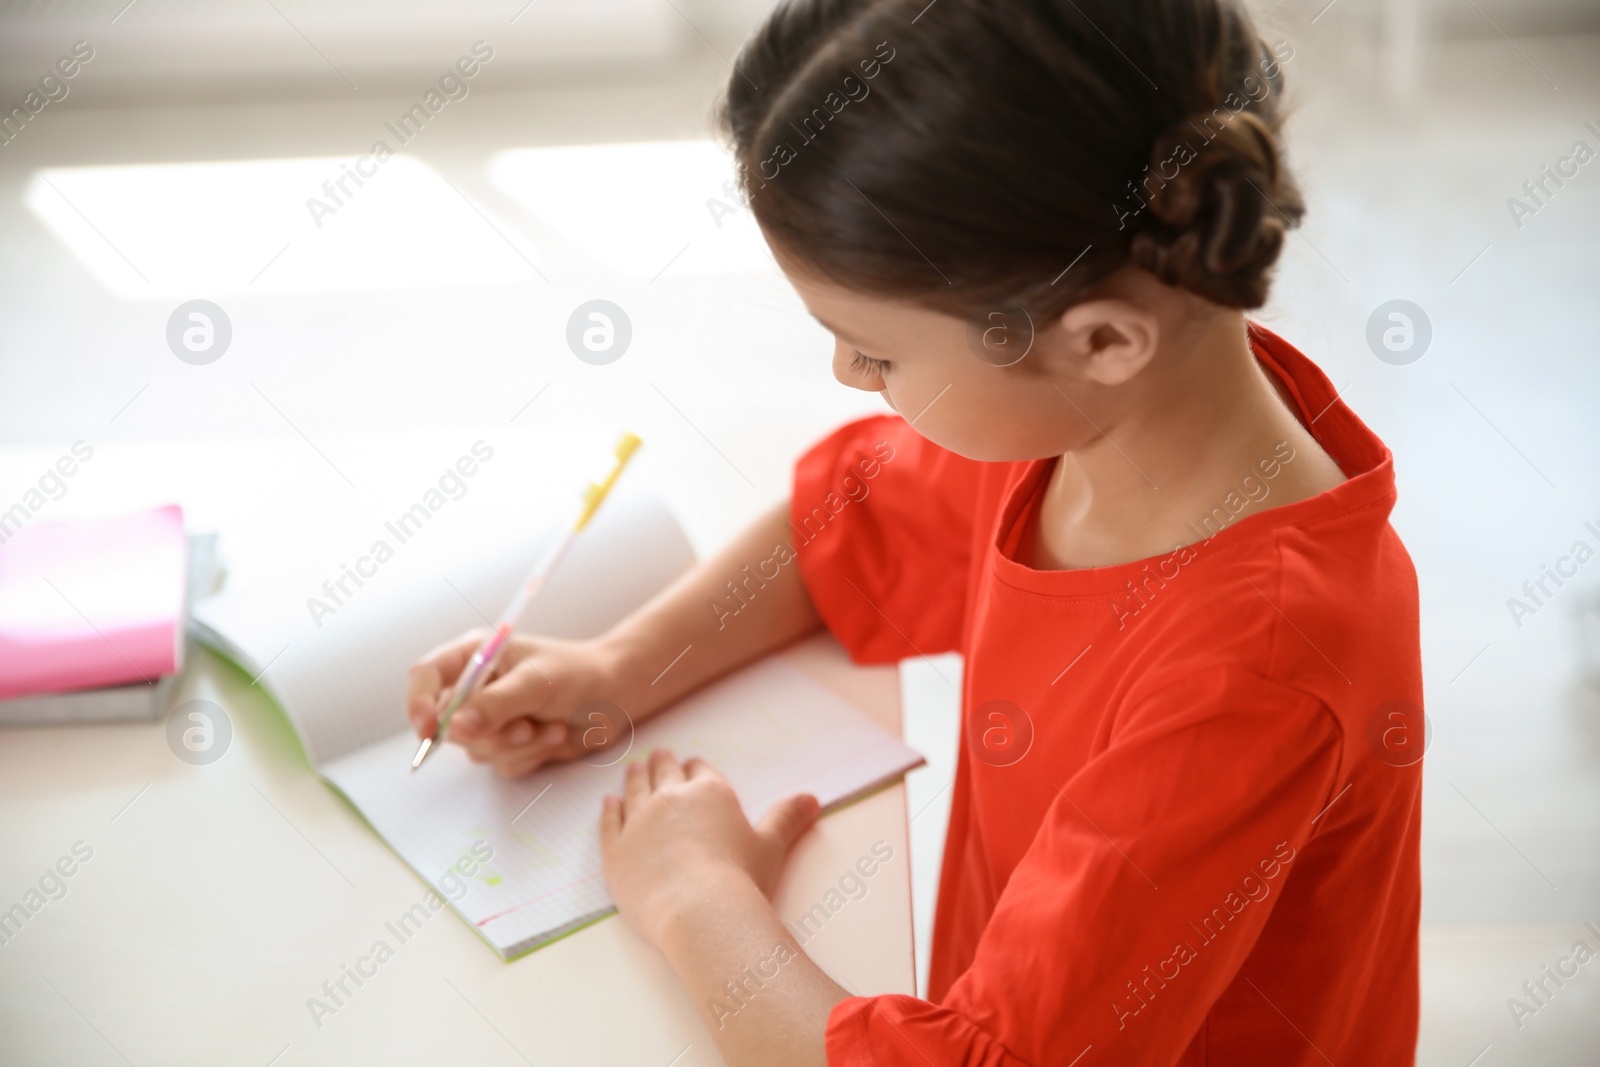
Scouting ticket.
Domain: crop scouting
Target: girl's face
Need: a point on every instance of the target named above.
(1001, 390)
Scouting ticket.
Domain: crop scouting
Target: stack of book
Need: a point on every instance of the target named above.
(93, 616)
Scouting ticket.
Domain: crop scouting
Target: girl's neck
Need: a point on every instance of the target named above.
(1209, 418)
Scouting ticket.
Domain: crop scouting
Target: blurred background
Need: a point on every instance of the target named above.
(197, 150)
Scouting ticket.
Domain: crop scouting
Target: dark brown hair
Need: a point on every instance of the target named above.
(962, 155)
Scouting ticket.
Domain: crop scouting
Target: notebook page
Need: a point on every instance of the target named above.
(769, 729)
(343, 684)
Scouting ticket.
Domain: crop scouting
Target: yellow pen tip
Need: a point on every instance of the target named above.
(627, 446)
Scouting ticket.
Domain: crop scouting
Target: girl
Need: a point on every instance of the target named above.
(1184, 826)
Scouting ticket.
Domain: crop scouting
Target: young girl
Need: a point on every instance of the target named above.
(1181, 832)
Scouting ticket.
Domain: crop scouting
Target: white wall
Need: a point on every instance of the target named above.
(175, 50)
(184, 49)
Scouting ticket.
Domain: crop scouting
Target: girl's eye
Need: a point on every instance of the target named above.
(867, 365)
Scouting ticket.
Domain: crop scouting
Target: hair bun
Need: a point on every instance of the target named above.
(1218, 224)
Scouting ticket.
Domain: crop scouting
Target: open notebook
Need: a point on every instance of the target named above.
(769, 728)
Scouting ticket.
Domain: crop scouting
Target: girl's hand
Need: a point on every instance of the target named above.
(677, 839)
(528, 712)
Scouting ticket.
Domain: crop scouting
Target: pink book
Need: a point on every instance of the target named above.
(92, 603)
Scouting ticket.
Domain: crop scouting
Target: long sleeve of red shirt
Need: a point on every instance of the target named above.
(1175, 836)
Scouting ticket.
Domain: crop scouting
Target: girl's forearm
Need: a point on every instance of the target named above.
(743, 602)
(763, 999)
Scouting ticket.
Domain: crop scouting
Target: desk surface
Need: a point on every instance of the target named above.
(217, 899)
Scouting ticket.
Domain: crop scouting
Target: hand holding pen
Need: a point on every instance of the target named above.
(481, 663)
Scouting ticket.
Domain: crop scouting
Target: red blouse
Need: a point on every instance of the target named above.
(1186, 810)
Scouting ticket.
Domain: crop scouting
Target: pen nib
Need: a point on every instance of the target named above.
(422, 753)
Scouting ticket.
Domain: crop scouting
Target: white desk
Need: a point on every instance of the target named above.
(219, 898)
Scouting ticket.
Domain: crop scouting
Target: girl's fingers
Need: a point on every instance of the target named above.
(466, 723)
(695, 767)
(448, 659)
(422, 697)
(428, 678)
(635, 787)
(431, 677)
(551, 746)
(610, 820)
(522, 692)
(664, 769)
(544, 742)
(466, 730)
(788, 819)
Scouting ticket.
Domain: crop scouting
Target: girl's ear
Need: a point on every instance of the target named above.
(1110, 341)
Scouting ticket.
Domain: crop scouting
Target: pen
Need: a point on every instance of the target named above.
(478, 666)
